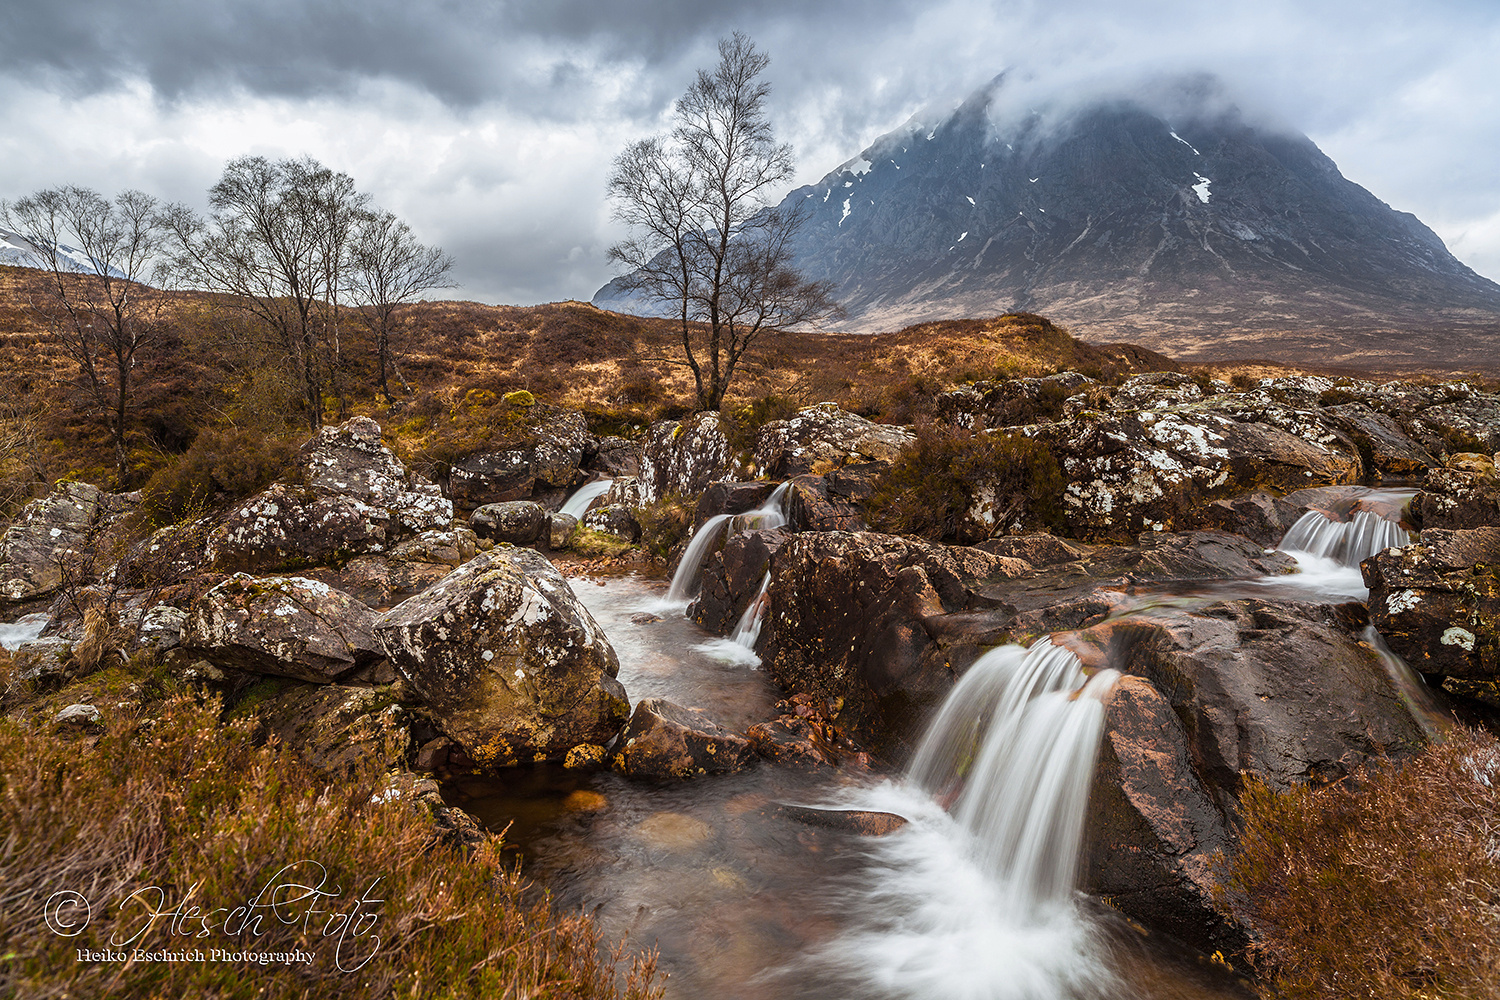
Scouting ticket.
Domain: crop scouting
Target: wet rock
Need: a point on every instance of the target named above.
(1455, 499)
(833, 502)
(519, 522)
(68, 527)
(513, 667)
(823, 437)
(673, 831)
(731, 498)
(1281, 690)
(664, 740)
(560, 529)
(626, 491)
(879, 621)
(732, 577)
(1260, 517)
(1038, 549)
(860, 822)
(1190, 556)
(791, 742)
(1391, 451)
(584, 756)
(614, 519)
(1437, 603)
(1152, 829)
(683, 458)
(284, 626)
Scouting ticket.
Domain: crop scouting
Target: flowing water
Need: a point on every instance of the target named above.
(684, 587)
(1328, 552)
(23, 629)
(745, 901)
(578, 504)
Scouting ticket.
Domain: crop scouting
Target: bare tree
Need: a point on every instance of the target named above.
(275, 239)
(704, 239)
(389, 268)
(97, 254)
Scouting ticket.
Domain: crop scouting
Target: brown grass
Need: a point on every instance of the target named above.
(1386, 887)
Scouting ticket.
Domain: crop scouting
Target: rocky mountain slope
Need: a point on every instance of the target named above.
(1194, 231)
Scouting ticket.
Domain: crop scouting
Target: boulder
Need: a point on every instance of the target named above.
(792, 743)
(560, 529)
(513, 667)
(1038, 550)
(562, 441)
(683, 458)
(349, 461)
(1258, 516)
(519, 522)
(380, 581)
(491, 477)
(547, 450)
(614, 519)
(832, 502)
(731, 498)
(1011, 403)
(453, 547)
(1454, 499)
(614, 457)
(167, 557)
(1152, 829)
(68, 527)
(665, 740)
(42, 659)
(284, 626)
(732, 577)
(333, 728)
(1388, 449)
(823, 437)
(1155, 390)
(860, 822)
(1437, 603)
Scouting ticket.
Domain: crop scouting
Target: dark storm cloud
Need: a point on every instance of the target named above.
(491, 126)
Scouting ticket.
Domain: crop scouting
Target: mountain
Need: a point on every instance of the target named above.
(17, 252)
(1193, 231)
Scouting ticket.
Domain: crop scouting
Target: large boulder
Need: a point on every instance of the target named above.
(513, 667)
(823, 437)
(1388, 448)
(682, 458)
(549, 450)
(831, 502)
(1437, 603)
(519, 522)
(283, 626)
(354, 498)
(665, 740)
(732, 577)
(1454, 499)
(69, 529)
(1152, 829)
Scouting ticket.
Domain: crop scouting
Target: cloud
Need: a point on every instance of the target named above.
(490, 126)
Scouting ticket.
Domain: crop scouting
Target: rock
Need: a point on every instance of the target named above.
(333, 728)
(1258, 516)
(562, 440)
(731, 498)
(1455, 499)
(41, 660)
(1012, 402)
(833, 502)
(1152, 829)
(1283, 691)
(491, 477)
(284, 626)
(169, 556)
(860, 822)
(1468, 461)
(584, 756)
(1156, 390)
(512, 666)
(1187, 556)
(664, 740)
(673, 831)
(519, 522)
(614, 519)
(626, 491)
(1390, 450)
(546, 449)
(822, 438)
(79, 715)
(792, 743)
(683, 458)
(1437, 603)
(68, 527)
(161, 627)
(452, 547)
(380, 582)
(614, 457)
(349, 461)
(560, 529)
(1038, 550)
(732, 577)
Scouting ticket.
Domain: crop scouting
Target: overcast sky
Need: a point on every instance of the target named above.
(489, 126)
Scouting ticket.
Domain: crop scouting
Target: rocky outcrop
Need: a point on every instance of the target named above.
(732, 577)
(1153, 830)
(683, 458)
(1453, 499)
(283, 626)
(549, 452)
(614, 519)
(518, 522)
(831, 502)
(354, 498)
(69, 529)
(823, 437)
(511, 665)
(731, 498)
(334, 728)
(1012, 402)
(1437, 603)
(665, 740)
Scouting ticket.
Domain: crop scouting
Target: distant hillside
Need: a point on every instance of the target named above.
(1193, 232)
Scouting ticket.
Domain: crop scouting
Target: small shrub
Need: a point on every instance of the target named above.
(936, 480)
(1387, 886)
(220, 466)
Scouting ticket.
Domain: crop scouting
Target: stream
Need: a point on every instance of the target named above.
(745, 902)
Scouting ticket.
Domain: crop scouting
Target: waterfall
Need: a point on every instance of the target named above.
(24, 629)
(690, 568)
(747, 630)
(1347, 543)
(1418, 698)
(768, 515)
(1013, 747)
(578, 504)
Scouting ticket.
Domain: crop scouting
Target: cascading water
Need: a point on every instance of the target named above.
(24, 629)
(770, 514)
(977, 901)
(1436, 723)
(1329, 552)
(578, 504)
(739, 648)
